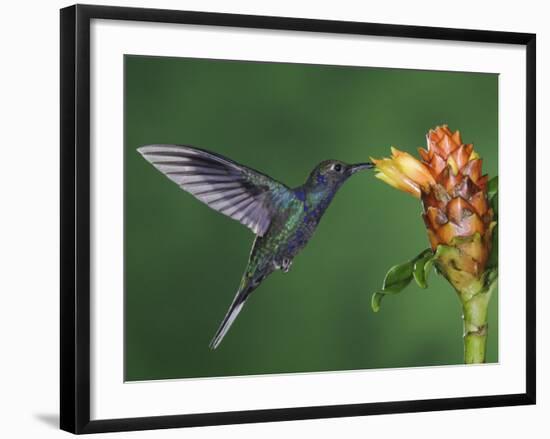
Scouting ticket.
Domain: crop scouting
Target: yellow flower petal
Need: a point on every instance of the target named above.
(413, 168)
(403, 184)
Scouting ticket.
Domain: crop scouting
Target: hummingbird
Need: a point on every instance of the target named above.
(283, 219)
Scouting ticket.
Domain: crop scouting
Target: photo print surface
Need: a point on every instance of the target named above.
(260, 178)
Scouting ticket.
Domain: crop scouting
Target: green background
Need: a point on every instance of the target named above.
(183, 261)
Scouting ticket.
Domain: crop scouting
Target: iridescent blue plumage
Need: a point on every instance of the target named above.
(283, 219)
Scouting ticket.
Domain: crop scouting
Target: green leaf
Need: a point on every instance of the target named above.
(492, 186)
(494, 204)
(399, 276)
(422, 268)
(493, 257)
(491, 278)
(375, 301)
(396, 279)
(492, 194)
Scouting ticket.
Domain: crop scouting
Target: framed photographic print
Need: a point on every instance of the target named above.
(267, 218)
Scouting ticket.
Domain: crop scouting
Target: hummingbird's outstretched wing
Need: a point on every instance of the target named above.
(237, 191)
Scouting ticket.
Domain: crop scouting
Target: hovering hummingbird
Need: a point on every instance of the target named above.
(282, 218)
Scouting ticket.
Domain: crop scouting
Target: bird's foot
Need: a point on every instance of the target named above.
(286, 264)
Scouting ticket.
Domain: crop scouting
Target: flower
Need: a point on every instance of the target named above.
(453, 192)
(460, 220)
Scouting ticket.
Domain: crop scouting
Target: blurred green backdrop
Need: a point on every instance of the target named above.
(183, 261)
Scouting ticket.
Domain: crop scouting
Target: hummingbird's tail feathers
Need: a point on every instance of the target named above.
(225, 325)
(232, 313)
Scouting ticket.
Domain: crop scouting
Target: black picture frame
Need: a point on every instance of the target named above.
(75, 217)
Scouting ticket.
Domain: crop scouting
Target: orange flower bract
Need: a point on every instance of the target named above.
(449, 181)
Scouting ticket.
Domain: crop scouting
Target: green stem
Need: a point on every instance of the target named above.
(475, 328)
(475, 301)
(474, 293)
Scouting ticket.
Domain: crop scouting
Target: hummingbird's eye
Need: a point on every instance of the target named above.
(337, 167)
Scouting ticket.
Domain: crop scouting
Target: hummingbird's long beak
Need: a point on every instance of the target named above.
(359, 167)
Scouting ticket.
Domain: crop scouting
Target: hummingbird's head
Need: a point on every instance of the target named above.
(332, 173)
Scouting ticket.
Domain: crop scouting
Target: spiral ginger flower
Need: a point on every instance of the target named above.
(457, 213)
